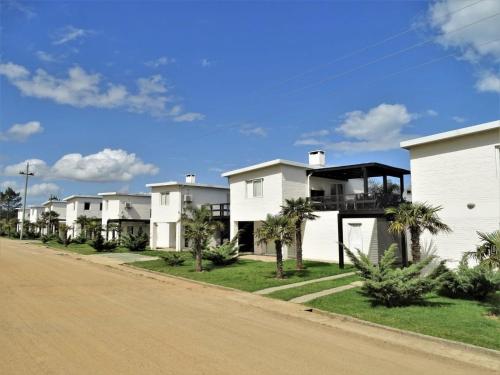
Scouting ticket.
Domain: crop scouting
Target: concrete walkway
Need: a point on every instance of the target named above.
(322, 293)
(119, 258)
(261, 258)
(294, 285)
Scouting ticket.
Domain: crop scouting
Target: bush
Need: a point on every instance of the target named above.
(223, 255)
(80, 239)
(390, 286)
(65, 240)
(173, 259)
(137, 242)
(101, 245)
(50, 237)
(476, 283)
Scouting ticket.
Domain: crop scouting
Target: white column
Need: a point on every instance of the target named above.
(178, 236)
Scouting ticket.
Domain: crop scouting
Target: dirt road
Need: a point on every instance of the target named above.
(60, 315)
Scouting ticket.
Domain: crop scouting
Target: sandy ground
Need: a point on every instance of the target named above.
(61, 315)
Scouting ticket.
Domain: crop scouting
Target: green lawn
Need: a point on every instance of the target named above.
(288, 294)
(248, 275)
(461, 320)
(84, 249)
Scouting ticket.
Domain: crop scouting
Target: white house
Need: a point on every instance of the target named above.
(20, 217)
(35, 214)
(347, 212)
(78, 205)
(130, 212)
(55, 206)
(459, 170)
(169, 201)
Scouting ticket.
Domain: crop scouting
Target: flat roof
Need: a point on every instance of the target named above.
(347, 172)
(451, 134)
(49, 202)
(176, 183)
(265, 165)
(81, 196)
(117, 194)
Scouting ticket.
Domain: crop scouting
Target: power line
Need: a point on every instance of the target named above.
(365, 48)
(385, 57)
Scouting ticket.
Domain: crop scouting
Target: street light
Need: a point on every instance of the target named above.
(27, 175)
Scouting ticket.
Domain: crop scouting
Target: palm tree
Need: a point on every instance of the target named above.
(278, 229)
(51, 220)
(415, 217)
(199, 227)
(82, 221)
(94, 227)
(488, 252)
(298, 211)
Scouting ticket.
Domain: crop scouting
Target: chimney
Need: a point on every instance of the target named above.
(190, 179)
(317, 158)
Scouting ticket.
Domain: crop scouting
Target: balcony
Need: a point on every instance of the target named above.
(362, 203)
(219, 210)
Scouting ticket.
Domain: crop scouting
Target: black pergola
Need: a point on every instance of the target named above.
(362, 171)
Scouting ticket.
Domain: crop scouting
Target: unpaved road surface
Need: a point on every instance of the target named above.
(61, 315)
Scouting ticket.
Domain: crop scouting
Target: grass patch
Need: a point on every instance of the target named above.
(84, 249)
(467, 321)
(248, 275)
(291, 293)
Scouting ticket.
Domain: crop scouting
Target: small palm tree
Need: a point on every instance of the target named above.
(277, 229)
(199, 227)
(83, 222)
(416, 217)
(298, 211)
(488, 252)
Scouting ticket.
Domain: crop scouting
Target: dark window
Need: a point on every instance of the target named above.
(100, 206)
(86, 206)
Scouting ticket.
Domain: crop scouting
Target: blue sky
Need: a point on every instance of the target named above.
(107, 96)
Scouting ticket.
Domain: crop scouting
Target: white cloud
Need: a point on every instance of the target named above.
(251, 130)
(69, 33)
(488, 82)
(459, 119)
(21, 132)
(82, 89)
(44, 189)
(46, 57)
(189, 117)
(161, 61)
(206, 63)
(431, 113)
(105, 166)
(20, 7)
(378, 129)
(316, 133)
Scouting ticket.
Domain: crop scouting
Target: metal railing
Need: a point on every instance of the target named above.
(219, 209)
(355, 202)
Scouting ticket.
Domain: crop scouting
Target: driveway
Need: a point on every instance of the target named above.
(62, 315)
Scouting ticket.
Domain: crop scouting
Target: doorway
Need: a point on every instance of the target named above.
(245, 236)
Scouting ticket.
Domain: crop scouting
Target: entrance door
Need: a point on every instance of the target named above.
(245, 238)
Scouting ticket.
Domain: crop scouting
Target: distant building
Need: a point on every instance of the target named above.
(78, 205)
(55, 206)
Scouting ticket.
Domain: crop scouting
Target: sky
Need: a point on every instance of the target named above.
(110, 96)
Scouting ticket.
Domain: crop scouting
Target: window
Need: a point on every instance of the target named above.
(255, 188)
(164, 199)
(337, 190)
(86, 206)
(100, 206)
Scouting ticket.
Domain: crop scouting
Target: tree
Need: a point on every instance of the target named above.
(278, 229)
(376, 188)
(83, 221)
(199, 227)
(93, 228)
(9, 202)
(488, 252)
(50, 220)
(415, 217)
(298, 211)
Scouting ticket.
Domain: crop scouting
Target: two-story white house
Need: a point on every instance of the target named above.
(58, 207)
(459, 170)
(78, 205)
(20, 217)
(125, 214)
(168, 203)
(347, 212)
(35, 214)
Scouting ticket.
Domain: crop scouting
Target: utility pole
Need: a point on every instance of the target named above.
(26, 174)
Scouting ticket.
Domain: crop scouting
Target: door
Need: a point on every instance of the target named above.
(245, 236)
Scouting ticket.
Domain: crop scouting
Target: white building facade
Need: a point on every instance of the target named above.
(346, 212)
(89, 206)
(169, 201)
(460, 171)
(125, 214)
(58, 207)
(20, 217)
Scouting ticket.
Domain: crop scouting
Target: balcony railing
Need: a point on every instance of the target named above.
(355, 202)
(219, 210)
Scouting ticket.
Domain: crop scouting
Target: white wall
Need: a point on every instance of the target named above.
(75, 207)
(114, 207)
(320, 239)
(453, 173)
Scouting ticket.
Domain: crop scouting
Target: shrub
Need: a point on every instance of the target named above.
(50, 237)
(137, 242)
(224, 254)
(80, 239)
(390, 286)
(173, 259)
(477, 282)
(101, 245)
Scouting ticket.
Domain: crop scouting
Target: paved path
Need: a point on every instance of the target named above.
(119, 258)
(63, 315)
(294, 285)
(309, 297)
